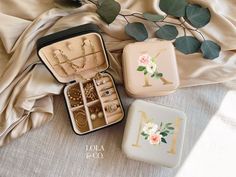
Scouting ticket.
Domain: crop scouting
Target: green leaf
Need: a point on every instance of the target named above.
(153, 17)
(167, 32)
(210, 49)
(142, 133)
(175, 8)
(163, 134)
(137, 31)
(141, 68)
(197, 15)
(108, 10)
(187, 44)
(168, 124)
(163, 140)
(170, 128)
(100, 2)
(158, 75)
(145, 72)
(146, 138)
(161, 124)
(167, 131)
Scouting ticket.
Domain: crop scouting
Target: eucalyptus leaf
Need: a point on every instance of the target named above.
(153, 17)
(137, 31)
(167, 32)
(210, 49)
(187, 44)
(108, 10)
(197, 15)
(175, 8)
(100, 2)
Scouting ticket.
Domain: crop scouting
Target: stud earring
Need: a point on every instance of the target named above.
(96, 112)
(111, 108)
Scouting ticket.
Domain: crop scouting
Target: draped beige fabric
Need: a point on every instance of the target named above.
(26, 87)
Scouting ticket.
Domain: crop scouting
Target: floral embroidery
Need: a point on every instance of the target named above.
(155, 134)
(147, 65)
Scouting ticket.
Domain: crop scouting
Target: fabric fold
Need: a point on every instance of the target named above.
(26, 86)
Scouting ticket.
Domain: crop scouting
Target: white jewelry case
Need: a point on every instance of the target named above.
(77, 57)
(154, 134)
(150, 69)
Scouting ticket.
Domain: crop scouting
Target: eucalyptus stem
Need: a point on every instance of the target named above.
(124, 17)
(92, 2)
(137, 15)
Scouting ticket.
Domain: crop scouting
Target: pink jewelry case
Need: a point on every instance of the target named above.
(77, 57)
(150, 69)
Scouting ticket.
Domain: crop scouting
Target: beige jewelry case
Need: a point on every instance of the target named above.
(154, 134)
(150, 69)
(77, 57)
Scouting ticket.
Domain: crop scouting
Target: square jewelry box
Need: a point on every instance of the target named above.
(150, 69)
(154, 134)
(77, 57)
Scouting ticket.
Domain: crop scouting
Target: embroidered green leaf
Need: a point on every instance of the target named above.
(144, 134)
(153, 17)
(167, 32)
(108, 10)
(210, 49)
(141, 68)
(187, 44)
(146, 138)
(145, 72)
(163, 140)
(158, 75)
(170, 128)
(163, 133)
(137, 31)
(175, 8)
(197, 15)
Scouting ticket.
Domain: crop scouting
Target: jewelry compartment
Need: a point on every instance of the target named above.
(77, 57)
(100, 102)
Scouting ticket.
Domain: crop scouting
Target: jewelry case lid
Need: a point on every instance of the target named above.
(75, 54)
(154, 134)
(150, 68)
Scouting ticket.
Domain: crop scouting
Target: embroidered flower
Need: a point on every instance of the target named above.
(155, 138)
(156, 134)
(151, 68)
(150, 128)
(147, 65)
(144, 60)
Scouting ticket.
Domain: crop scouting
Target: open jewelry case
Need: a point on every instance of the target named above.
(78, 58)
